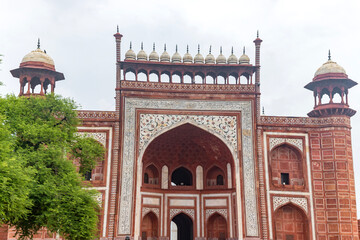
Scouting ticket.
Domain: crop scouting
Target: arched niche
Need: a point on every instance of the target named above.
(149, 226)
(151, 176)
(287, 167)
(217, 227)
(215, 177)
(290, 222)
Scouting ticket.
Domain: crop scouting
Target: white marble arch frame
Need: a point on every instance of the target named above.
(166, 129)
(128, 154)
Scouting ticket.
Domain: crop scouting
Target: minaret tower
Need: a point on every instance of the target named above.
(37, 69)
(331, 79)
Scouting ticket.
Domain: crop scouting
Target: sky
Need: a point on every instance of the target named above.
(296, 36)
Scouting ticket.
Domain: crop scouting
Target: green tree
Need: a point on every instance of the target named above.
(39, 184)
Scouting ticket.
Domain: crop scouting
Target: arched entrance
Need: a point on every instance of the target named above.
(182, 228)
(291, 223)
(194, 163)
(149, 226)
(217, 227)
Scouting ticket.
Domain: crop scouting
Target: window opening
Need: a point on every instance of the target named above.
(285, 180)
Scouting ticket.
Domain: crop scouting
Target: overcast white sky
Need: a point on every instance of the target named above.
(296, 35)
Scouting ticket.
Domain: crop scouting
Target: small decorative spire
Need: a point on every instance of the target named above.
(210, 50)
(176, 49)
(142, 46)
(165, 47)
(38, 45)
(329, 57)
(232, 50)
(257, 34)
(198, 48)
(220, 50)
(154, 47)
(244, 50)
(187, 48)
(263, 110)
(130, 45)
(117, 28)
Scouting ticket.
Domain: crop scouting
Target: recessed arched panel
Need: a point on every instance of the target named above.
(149, 227)
(290, 222)
(151, 175)
(217, 227)
(287, 167)
(215, 177)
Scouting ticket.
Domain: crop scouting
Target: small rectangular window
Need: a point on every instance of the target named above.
(88, 175)
(285, 180)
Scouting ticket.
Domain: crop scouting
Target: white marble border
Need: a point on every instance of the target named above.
(128, 161)
(268, 191)
(108, 170)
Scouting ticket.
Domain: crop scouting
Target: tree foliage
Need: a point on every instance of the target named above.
(39, 185)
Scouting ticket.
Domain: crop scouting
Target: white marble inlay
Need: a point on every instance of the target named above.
(215, 202)
(182, 202)
(151, 201)
(293, 141)
(280, 201)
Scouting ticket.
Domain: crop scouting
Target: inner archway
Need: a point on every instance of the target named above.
(217, 227)
(182, 150)
(149, 226)
(181, 228)
(181, 177)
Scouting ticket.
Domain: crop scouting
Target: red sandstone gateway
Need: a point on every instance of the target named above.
(189, 156)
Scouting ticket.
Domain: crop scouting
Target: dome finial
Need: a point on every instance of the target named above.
(221, 50)
(142, 46)
(210, 50)
(153, 46)
(198, 48)
(244, 50)
(38, 45)
(257, 34)
(117, 28)
(329, 56)
(130, 45)
(232, 50)
(165, 47)
(176, 48)
(187, 48)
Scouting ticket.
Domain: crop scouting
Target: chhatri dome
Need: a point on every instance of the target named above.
(244, 59)
(154, 56)
(187, 57)
(198, 57)
(176, 58)
(165, 57)
(142, 56)
(130, 54)
(232, 59)
(210, 59)
(330, 67)
(38, 59)
(221, 59)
